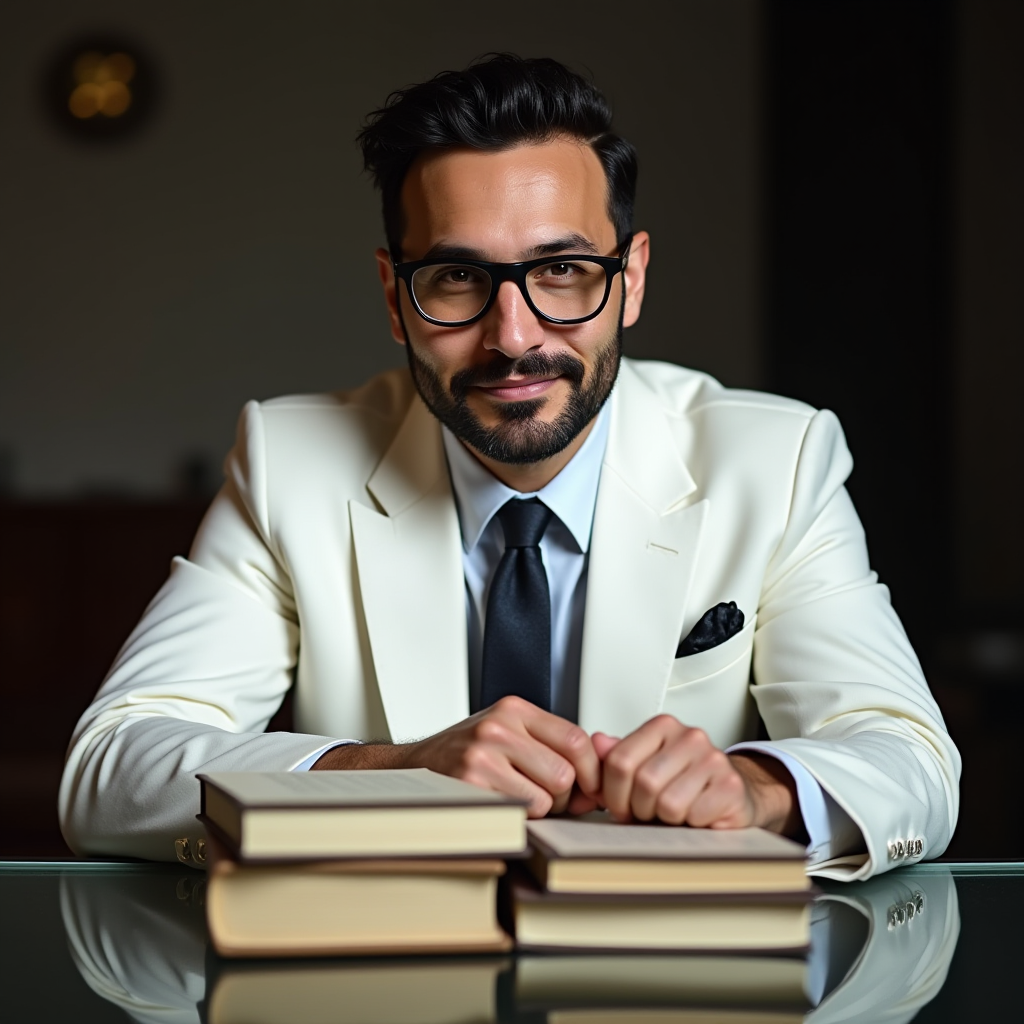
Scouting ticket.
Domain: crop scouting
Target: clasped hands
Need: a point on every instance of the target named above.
(663, 771)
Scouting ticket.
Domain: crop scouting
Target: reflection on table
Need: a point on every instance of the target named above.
(880, 951)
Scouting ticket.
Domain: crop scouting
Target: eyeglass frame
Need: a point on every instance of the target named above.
(499, 273)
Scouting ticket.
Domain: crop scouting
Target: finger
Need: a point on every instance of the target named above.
(567, 739)
(724, 803)
(655, 774)
(675, 800)
(527, 755)
(622, 762)
(580, 803)
(491, 769)
(603, 743)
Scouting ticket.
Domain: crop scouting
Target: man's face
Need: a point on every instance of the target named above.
(512, 386)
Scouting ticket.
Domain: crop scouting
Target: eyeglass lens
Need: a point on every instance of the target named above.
(564, 291)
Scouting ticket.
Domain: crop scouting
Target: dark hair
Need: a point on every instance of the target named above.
(497, 103)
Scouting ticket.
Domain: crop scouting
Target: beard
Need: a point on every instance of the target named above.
(521, 437)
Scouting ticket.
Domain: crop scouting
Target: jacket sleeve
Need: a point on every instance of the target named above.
(196, 683)
(837, 683)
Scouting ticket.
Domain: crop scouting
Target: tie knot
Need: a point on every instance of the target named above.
(524, 522)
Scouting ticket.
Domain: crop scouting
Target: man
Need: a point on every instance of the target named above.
(526, 562)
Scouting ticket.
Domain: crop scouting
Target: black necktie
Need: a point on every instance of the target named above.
(517, 633)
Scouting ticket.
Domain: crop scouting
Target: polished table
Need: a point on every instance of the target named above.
(105, 941)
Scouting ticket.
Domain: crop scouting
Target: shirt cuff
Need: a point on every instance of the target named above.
(304, 766)
(824, 820)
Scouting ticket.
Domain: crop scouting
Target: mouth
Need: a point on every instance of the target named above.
(518, 389)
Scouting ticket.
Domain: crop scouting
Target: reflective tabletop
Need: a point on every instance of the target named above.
(98, 941)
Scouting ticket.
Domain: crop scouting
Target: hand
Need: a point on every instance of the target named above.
(668, 771)
(512, 747)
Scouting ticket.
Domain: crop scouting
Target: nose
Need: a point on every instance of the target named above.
(510, 326)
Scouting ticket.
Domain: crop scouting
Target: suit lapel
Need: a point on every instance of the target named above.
(409, 563)
(642, 557)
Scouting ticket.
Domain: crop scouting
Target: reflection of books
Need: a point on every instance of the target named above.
(336, 907)
(426, 991)
(595, 855)
(408, 813)
(674, 1016)
(754, 923)
(612, 982)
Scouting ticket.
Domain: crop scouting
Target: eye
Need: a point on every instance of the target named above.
(561, 269)
(454, 276)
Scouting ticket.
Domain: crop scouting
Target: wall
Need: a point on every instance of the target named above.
(988, 364)
(148, 289)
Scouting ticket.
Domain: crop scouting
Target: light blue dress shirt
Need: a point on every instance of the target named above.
(565, 547)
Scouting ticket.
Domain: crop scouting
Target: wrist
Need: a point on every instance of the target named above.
(353, 756)
(772, 792)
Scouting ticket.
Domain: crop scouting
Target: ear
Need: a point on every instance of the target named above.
(635, 275)
(390, 285)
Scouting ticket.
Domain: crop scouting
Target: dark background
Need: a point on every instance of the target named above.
(834, 191)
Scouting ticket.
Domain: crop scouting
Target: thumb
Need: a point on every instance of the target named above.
(603, 744)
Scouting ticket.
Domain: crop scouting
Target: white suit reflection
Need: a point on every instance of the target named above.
(881, 949)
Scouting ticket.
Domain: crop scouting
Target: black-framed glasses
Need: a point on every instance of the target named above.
(560, 289)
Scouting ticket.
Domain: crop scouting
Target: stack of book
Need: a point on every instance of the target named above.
(355, 862)
(654, 988)
(594, 884)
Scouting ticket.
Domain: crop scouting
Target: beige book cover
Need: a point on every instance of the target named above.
(348, 907)
(712, 923)
(596, 854)
(308, 815)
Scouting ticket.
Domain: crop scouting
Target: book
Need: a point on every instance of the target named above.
(347, 907)
(484, 989)
(636, 981)
(595, 854)
(387, 813)
(672, 1015)
(713, 923)
(426, 990)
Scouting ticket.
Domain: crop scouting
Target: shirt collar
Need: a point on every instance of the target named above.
(572, 495)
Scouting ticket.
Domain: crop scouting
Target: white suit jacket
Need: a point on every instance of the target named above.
(331, 561)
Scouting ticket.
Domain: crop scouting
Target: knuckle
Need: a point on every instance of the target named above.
(512, 703)
(491, 730)
(717, 760)
(576, 739)
(699, 737)
(620, 761)
(671, 809)
(477, 759)
(734, 784)
(646, 781)
(563, 776)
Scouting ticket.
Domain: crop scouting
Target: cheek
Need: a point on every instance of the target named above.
(443, 349)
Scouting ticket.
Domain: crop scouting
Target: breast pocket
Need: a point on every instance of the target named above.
(711, 690)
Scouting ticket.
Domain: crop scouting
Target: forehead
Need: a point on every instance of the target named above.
(506, 202)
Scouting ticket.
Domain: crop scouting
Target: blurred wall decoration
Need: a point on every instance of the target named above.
(834, 197)
(100, 89)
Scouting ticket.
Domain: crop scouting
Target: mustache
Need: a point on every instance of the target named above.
(533, 364)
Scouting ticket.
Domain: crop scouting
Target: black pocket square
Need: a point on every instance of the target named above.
(716, 626)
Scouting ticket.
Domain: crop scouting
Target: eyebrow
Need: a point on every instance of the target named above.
(570, 243)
